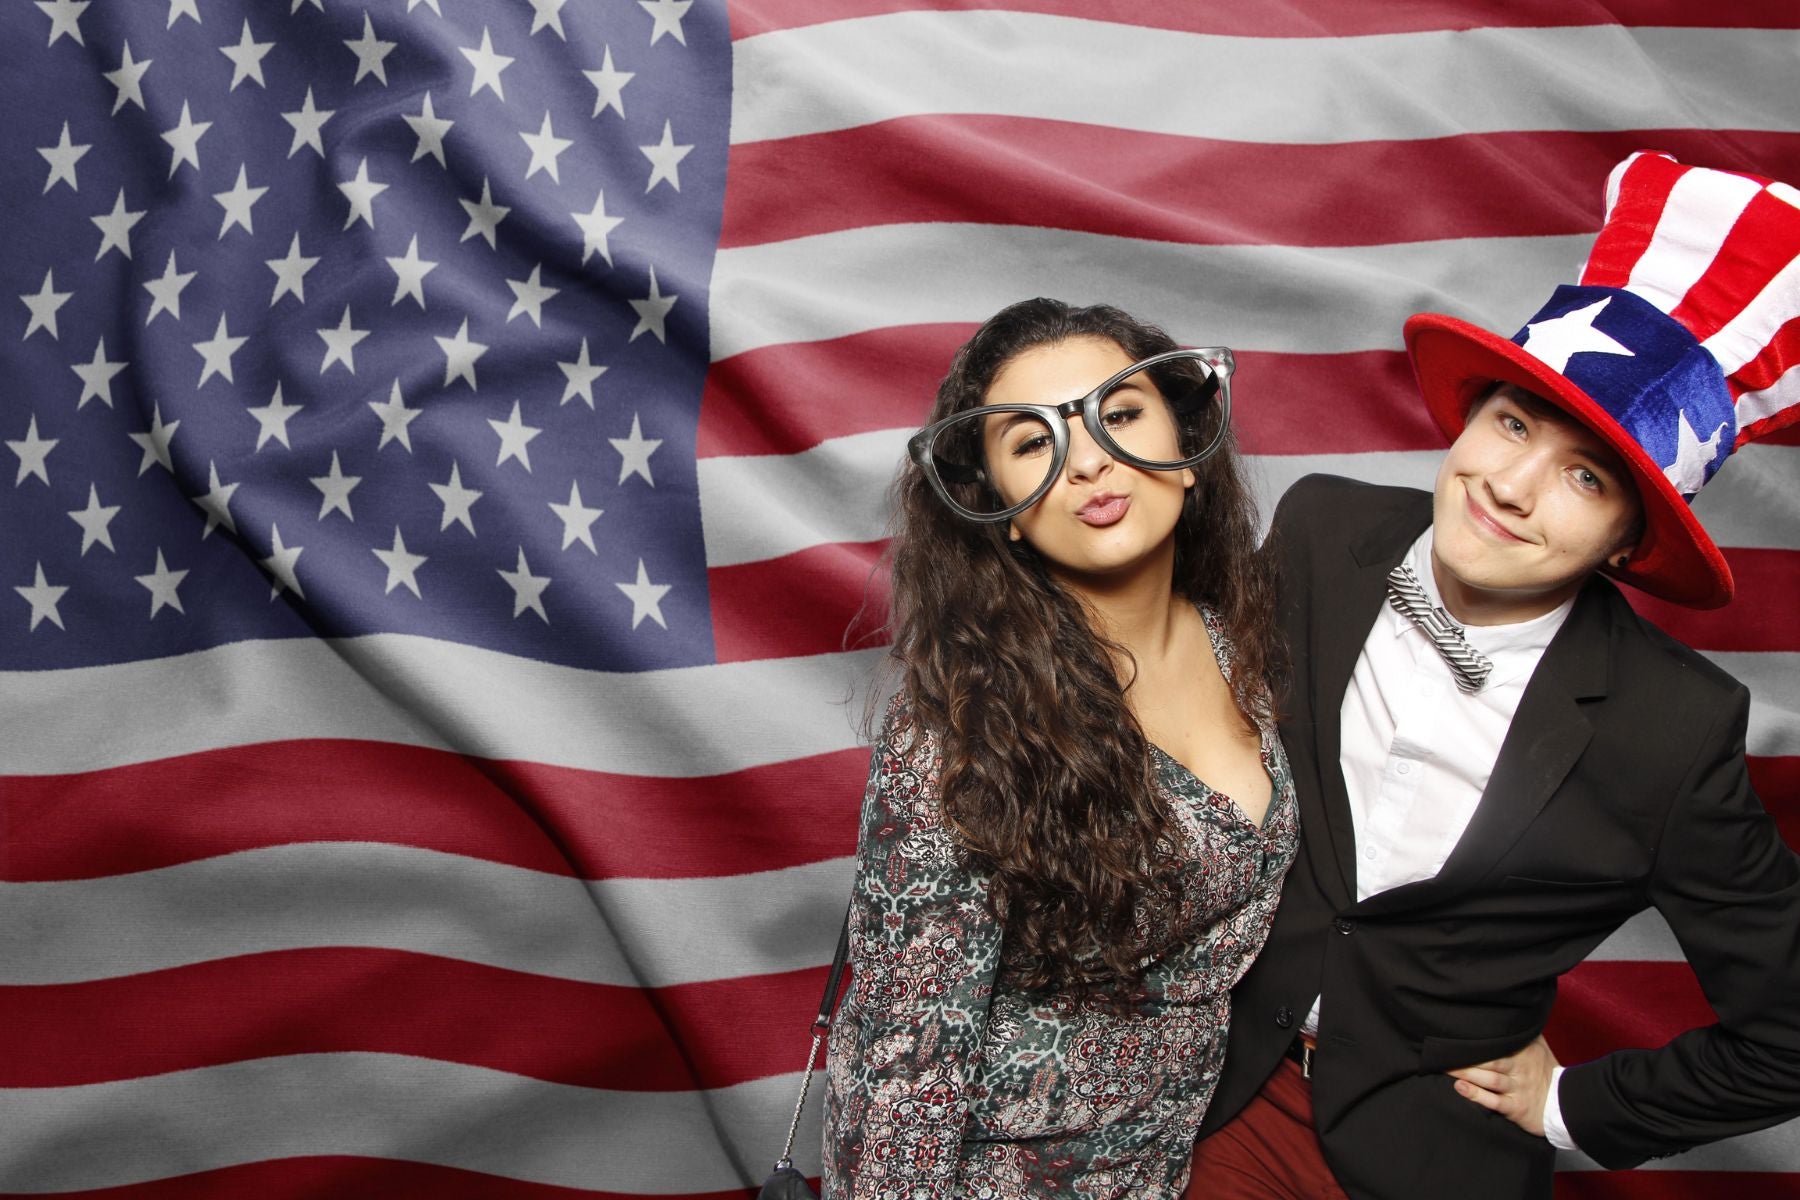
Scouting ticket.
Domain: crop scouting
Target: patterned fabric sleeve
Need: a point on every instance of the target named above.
(925, 950)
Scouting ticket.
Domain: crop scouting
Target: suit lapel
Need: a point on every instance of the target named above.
(1343, 614)
(1547, 735)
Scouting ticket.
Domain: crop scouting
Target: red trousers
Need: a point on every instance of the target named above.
(1267, 1152)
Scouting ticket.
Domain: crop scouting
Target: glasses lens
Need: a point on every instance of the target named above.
(1162, 414)
(992, 460)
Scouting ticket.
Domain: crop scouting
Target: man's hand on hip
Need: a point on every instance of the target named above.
(1515, 1086)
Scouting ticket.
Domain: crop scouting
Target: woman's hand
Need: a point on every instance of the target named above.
(1515, 1086)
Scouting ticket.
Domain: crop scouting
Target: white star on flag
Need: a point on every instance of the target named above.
(457, 500)
(652, 310)
(62, 158)
(97, 376)
(528, 589)
(430, 129)
(459, 355)
(1692, 456)
(216, 352)
(529, 296)
(43, 305)
(43, 598)
(646, 597)
(485, 217)
(667, 14)
(547, 14)
(361, 193)
(546, 147)
(236, 204)
(402, 565)
(162, 584)
(665, 160)
(34, 454)
(635, 452)
(155, 441)
(1555, 340)
(165, 292)
(578, 520)
(115, 228)
(515, 437)
(65, 18)
(334, 490)
(609, 85)
(395, 417)
(308, 123)
(580, 376)
(340, 343)
(272, 419)
(487, 65)
(128, 79)
(95, 521)
(371, 53)
(281, 565)
(184, 141)
(216, 503)
(246, 59)
(595, 225)
(290, 273)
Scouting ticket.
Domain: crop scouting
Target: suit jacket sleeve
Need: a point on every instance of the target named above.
(1730, 890)
(925, 949)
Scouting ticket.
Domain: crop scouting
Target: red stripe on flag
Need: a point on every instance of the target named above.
(1000, 170)
(1761, 618)
(1615, 1005)
(353, 1000)
(588, 824)
(815, 601)
(787, 398)
(348, 1177)
(1285, 18)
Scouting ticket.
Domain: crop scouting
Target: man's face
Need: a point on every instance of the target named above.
(1528, 504)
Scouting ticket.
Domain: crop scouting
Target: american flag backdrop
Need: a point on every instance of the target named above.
(446, 443)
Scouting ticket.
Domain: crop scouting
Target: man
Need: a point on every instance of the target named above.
(1481, 806)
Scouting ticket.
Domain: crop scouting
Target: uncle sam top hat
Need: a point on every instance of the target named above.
(1680, 345)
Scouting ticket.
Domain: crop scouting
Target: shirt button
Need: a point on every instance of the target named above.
(1344, 925)
(1284, 1017)
(1369, 854)
(1403, 768)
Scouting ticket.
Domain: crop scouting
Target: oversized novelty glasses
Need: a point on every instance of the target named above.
(1165, 413)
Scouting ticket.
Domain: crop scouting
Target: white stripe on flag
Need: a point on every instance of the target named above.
(1437, 83)
(630, 933)
(834, 284)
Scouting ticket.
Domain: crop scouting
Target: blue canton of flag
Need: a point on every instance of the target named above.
(361, 319)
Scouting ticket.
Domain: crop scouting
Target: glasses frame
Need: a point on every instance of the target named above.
(1218, 360)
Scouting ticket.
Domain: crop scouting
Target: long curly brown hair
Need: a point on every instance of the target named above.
(1046, 776)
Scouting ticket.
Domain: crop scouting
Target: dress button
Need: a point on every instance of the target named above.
(1344, 925)
(1284, 1017)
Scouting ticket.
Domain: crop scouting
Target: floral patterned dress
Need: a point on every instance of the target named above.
(945, 1079)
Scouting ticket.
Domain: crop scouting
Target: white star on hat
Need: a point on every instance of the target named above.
(1555, 341)
(1692, 456)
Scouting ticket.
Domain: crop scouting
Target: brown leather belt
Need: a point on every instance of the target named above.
(1302, 1050)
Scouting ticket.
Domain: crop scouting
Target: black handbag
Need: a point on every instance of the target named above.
(785, 1182)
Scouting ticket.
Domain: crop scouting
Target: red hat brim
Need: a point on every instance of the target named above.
(1456, 361)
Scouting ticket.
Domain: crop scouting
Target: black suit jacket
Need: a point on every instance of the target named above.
(1621, 784)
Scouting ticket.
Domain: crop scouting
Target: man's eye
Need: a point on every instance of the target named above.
(1587, 479)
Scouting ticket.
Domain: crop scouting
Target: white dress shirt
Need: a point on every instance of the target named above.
(1416, 752)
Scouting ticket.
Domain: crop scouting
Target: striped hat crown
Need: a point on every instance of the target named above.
(1679, 345)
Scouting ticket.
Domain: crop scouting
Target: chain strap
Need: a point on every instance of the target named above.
(812, 1057)
(821, 1025)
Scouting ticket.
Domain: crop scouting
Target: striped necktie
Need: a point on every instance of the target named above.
(1408, 598)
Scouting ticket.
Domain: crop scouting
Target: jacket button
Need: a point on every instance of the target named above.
(1344, 925)
(1284, 1017)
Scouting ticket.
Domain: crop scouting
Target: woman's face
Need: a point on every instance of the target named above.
(1102, 519)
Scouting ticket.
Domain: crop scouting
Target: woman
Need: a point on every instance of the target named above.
(1050, 905)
